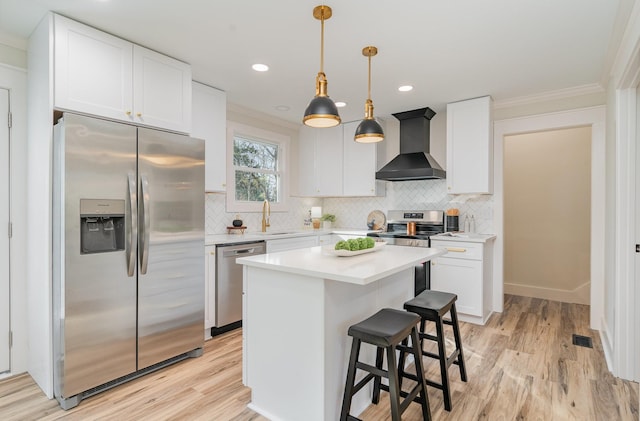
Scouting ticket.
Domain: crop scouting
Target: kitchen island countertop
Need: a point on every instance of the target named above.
(360, 269)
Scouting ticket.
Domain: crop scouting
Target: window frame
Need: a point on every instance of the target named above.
(260, 135)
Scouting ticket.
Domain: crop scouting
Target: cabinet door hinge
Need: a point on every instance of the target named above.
(10, 120)
(10, 230)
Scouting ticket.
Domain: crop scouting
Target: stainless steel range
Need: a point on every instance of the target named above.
(399, 227)
(413, 228)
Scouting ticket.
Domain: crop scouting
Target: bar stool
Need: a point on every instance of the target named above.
(432, 306)
(386, 330)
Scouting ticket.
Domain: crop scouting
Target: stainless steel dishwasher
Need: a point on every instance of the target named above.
(229, 283)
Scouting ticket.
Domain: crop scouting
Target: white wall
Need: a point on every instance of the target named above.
(15, 79)
(12, 56)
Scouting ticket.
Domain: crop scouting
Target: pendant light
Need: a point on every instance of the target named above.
(369, 131)
(321, 111)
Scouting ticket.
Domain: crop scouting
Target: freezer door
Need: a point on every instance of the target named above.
(94, 296)
(170, 245)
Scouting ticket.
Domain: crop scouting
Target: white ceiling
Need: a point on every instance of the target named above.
(447, 49)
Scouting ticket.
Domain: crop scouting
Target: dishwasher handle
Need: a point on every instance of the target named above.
(242, 252)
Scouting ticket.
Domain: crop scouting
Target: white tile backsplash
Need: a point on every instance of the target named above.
(218, 219)
(352, 212)
(421, 194)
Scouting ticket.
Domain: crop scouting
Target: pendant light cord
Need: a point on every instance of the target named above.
(322, 43)
(369, 86)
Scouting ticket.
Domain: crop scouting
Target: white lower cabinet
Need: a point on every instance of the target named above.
(209, 289)
(465, 271)
(283, 244)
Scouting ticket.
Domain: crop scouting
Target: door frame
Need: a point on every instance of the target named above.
(594, 117)
(15, 80)
(623, 353)
(7, 294)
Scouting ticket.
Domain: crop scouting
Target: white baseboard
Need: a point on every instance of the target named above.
(579, 295)
(607, 346)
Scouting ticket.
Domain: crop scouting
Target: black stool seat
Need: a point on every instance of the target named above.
(432, 306)
(388, 329)
(431, 303)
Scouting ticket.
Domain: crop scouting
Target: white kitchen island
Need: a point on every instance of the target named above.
(297, 308)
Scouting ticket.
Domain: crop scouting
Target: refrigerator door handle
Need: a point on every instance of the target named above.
(144, 227)
(133, 224)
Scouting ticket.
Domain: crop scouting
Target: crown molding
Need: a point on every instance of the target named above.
(594, 88)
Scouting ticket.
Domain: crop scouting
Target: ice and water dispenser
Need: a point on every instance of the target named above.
(102, 225)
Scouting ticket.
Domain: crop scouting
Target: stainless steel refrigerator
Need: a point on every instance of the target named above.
(128, 253)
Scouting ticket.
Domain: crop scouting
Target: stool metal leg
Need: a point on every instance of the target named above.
(394, 388)
(456, 335)
(417, 356)
(351, 379)
(443, 364)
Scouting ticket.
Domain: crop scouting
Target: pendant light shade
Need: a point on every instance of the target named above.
(369, 131)
(321, 111)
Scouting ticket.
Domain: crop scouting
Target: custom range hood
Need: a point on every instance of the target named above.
(414, 161)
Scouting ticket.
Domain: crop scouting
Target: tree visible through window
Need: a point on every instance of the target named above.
(256, 170)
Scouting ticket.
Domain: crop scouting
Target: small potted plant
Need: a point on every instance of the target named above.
(327, 219)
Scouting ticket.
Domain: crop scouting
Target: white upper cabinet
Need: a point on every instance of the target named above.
(320, 161)
(93, 71)
(359, 165)
(100, 74)
(161, 90)
(332, 164)
(209, 122)
(470, 146)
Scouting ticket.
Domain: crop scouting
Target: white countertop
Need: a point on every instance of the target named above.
(274, 234)
(464, 237)
(361, 269)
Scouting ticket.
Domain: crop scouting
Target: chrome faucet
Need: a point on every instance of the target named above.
(266, 213)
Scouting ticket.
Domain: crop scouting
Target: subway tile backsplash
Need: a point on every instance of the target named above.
(218, 219)
(420, 194)
(352, 212)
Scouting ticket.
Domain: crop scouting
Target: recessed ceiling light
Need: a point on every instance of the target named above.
(405, 88)
(282, 107)
(260, 67)
(341, 104)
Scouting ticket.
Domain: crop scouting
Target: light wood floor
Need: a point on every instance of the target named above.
(521, 366)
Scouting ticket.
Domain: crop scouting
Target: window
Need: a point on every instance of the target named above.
(256, 169)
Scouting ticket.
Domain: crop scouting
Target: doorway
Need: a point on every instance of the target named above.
(594, 118)
(5, 351)
(547, 211)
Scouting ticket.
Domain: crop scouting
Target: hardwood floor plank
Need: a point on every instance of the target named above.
(521, 366)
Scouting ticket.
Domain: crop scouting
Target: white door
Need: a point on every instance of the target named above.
(4, 226)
